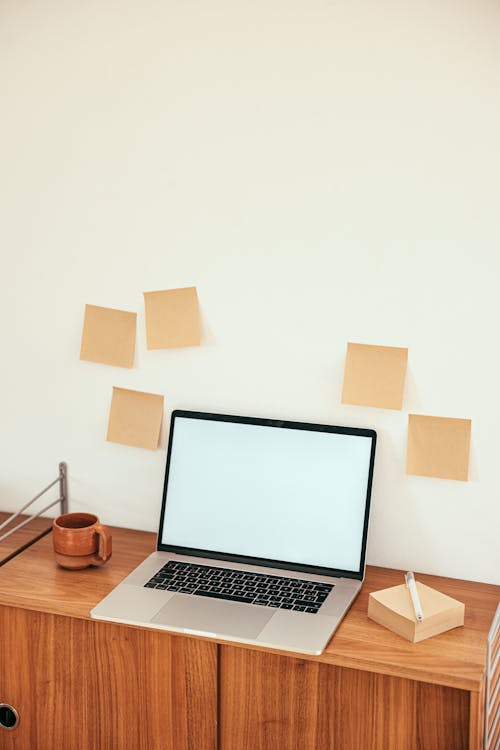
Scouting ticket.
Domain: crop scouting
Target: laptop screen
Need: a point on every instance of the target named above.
(284, 494)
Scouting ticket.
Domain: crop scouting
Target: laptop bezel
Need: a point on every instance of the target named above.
(260, 561)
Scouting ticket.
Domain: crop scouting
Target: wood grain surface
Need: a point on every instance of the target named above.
(269, 701)
(34, 580)
(454, 659)
(82, 685)
(79, 683)
(22, 538)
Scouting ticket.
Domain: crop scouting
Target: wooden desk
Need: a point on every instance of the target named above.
(21, 538)
(84, 685)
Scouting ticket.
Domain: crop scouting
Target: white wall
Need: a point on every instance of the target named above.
(323, 172)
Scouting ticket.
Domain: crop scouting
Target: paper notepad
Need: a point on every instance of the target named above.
(172, 318)
(135, 418)
(108, 336)
(393, 608)
(438, 447)
(374, 376)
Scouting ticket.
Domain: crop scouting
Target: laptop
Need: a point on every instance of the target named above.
(262, 533)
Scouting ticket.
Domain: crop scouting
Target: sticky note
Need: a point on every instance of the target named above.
(438, 447)
(374, 376)
(135, 418)
(172, 318)
(108, 336)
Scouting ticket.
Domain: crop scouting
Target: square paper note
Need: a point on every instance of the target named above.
(374, 376)
(135, 418)
(108, 336)
(438, 447)
(172, 318)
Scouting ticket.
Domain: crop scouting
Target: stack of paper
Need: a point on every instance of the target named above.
(393, 608)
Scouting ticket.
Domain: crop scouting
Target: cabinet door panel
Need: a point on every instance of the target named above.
(269, 702)
(84, 684)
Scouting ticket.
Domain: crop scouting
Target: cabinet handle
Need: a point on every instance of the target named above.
(9, 718)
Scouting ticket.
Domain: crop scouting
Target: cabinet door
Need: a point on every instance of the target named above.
(271, 702)
(88, 685)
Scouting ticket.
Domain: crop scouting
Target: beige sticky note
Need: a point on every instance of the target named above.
(438, 447)
(172, 318)
(108, 336)
(135, 418)
(374, 376)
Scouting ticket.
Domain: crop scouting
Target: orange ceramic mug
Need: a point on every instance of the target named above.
(80, 540)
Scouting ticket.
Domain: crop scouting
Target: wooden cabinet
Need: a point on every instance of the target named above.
(269, 702)
(81, 684)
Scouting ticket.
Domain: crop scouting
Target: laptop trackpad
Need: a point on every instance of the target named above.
(213, 616)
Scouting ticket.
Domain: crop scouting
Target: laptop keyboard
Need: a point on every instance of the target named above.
(241, 586)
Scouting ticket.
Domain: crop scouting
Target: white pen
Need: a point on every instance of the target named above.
(412, 586)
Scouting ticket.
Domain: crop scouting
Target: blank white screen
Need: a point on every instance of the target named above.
(278, 493)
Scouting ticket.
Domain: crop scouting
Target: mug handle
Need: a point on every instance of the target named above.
(104, 552)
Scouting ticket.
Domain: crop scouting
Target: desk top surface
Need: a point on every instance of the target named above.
(36, 528)
(33, 580)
